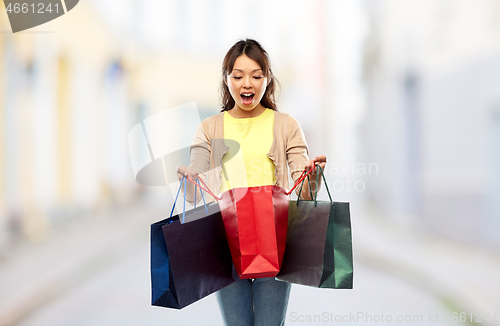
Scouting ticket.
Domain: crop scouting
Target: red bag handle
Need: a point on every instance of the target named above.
(299, 180)
(203, 188)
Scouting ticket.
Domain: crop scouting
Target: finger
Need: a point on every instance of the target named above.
(321, 164)
(320, 158)
(183, 171)
(308, 165)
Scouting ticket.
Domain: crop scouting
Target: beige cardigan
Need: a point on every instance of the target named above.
(288, 150)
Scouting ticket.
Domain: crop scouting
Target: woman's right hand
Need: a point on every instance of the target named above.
(186, 171)
(190, 188)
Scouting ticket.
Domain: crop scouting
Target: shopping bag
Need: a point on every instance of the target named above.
(189, 261)
(319, 244)
(255, 220)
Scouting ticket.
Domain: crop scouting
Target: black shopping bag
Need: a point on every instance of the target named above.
(319, 244)
(189, 261)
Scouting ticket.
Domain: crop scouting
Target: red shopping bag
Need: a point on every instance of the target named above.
(256, 221)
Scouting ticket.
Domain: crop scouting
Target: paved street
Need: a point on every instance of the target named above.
(106, 282)
(120, 296)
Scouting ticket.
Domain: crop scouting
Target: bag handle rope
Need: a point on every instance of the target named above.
(197, 184)
(315, 197)
(300, 179)
(204, 187)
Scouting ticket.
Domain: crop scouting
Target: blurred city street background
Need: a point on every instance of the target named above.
(402, 96)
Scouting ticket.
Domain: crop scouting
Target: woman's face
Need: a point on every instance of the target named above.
(246, 83)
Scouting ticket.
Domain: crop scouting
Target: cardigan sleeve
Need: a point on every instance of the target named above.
(297, 152)
(200, 151)
(200, 154)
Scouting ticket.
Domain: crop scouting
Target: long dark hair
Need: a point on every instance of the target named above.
(254, 51)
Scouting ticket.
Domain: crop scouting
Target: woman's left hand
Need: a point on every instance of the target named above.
(321, 160)
(314, 186)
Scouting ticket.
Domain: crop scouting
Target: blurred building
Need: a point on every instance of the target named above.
(432, 73)
(59, 106)
(70, 91)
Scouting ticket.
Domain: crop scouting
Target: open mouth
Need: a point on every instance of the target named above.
(247, 98)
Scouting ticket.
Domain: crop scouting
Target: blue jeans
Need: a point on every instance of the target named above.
(261, 302)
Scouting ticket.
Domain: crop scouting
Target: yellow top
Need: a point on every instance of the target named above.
(248, 165)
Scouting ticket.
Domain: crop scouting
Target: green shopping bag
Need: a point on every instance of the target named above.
(318, 248)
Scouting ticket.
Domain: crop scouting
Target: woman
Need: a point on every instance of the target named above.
(265, 144)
